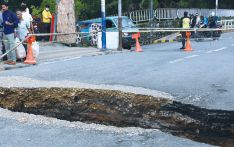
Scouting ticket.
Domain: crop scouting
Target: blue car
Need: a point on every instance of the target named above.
(112, 26)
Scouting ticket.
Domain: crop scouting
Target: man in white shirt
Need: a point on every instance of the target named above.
(27, 16)
(24, 4)
(198, 20)
(23, 28)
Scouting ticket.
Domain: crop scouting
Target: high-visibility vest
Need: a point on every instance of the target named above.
(186, 23)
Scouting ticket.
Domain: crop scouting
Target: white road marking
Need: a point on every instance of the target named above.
(208, 52)
(182, 59)
(59, 60)
(175, 61)
(232, 44)
(193, 56)
(216, 50)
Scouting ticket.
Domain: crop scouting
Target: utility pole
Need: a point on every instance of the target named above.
(151, 10)
(216, 7)
(103, 9)
(151, 19)
(120, 24)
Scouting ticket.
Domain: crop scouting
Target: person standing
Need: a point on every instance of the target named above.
(10, 22)
(198, 20)
(27, 16)
(46, 19)
(213, 20)
(23, 28)
(185, 24)
(23, 4)
(193, 21)
(1, 38)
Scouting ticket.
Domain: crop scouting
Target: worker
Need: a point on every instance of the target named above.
(185, 24)
(46, 19)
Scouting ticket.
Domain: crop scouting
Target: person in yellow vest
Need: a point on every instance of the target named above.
(46, 19)
(185, 24)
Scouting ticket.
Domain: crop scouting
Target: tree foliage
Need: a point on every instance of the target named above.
(92, 8)
(87, 9)
(37, 9)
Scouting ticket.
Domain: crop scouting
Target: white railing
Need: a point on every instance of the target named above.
(140, 15)
(167, 13)
(173, 13)
(227, 24)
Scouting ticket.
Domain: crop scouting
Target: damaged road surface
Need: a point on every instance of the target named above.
(108, 107)
(201, 84)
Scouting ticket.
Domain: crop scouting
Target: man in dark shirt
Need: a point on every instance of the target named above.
(10, 22)
(2, 47)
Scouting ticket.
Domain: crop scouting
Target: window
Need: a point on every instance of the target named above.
(110, 24)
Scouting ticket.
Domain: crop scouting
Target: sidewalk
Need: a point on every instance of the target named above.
(58, 52)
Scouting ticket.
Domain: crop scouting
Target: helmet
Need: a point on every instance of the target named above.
(213, 13)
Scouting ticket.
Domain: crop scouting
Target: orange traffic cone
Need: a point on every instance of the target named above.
(30, 59)
(138, 46)
(188, 47)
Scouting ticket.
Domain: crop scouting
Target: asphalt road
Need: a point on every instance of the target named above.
(203, 77)
(23, 130)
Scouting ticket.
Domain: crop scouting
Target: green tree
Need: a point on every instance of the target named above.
(87, 9)
(37, 10)
(79, 8)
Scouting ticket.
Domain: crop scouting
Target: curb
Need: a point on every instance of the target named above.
(100, 53)
(14, 67)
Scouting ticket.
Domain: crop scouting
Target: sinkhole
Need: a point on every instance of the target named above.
(116, 108)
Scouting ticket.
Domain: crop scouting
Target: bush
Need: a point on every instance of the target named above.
(37, 10)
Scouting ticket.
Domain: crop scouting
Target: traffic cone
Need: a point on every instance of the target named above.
(188, 47)
(138, 46)
(30, 59)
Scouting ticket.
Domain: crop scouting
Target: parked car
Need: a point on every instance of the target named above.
(112, 26)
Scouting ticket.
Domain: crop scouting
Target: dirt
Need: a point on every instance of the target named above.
(215, 127)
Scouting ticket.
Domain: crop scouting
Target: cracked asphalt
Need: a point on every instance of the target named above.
(203, 77)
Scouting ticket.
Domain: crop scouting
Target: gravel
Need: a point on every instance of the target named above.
(23, 82)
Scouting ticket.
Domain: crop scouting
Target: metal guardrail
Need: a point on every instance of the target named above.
(140, 15)
(227, 24)
(173, 13)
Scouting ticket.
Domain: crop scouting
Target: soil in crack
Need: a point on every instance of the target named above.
(215, 127)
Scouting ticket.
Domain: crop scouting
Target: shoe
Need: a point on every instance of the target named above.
(6, 62)
(182, 48)
(10, 62)
(19, 60)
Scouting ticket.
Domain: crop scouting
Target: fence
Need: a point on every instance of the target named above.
(227, 24)
(173, 13)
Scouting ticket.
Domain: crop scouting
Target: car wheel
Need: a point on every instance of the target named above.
(127, 47)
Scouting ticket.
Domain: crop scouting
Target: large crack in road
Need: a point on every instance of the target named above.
(215, 127)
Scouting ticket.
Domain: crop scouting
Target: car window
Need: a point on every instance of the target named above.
(110, 24)
(84, 25)
(125, 22)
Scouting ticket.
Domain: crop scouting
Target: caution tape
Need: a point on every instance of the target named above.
(132, 30)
